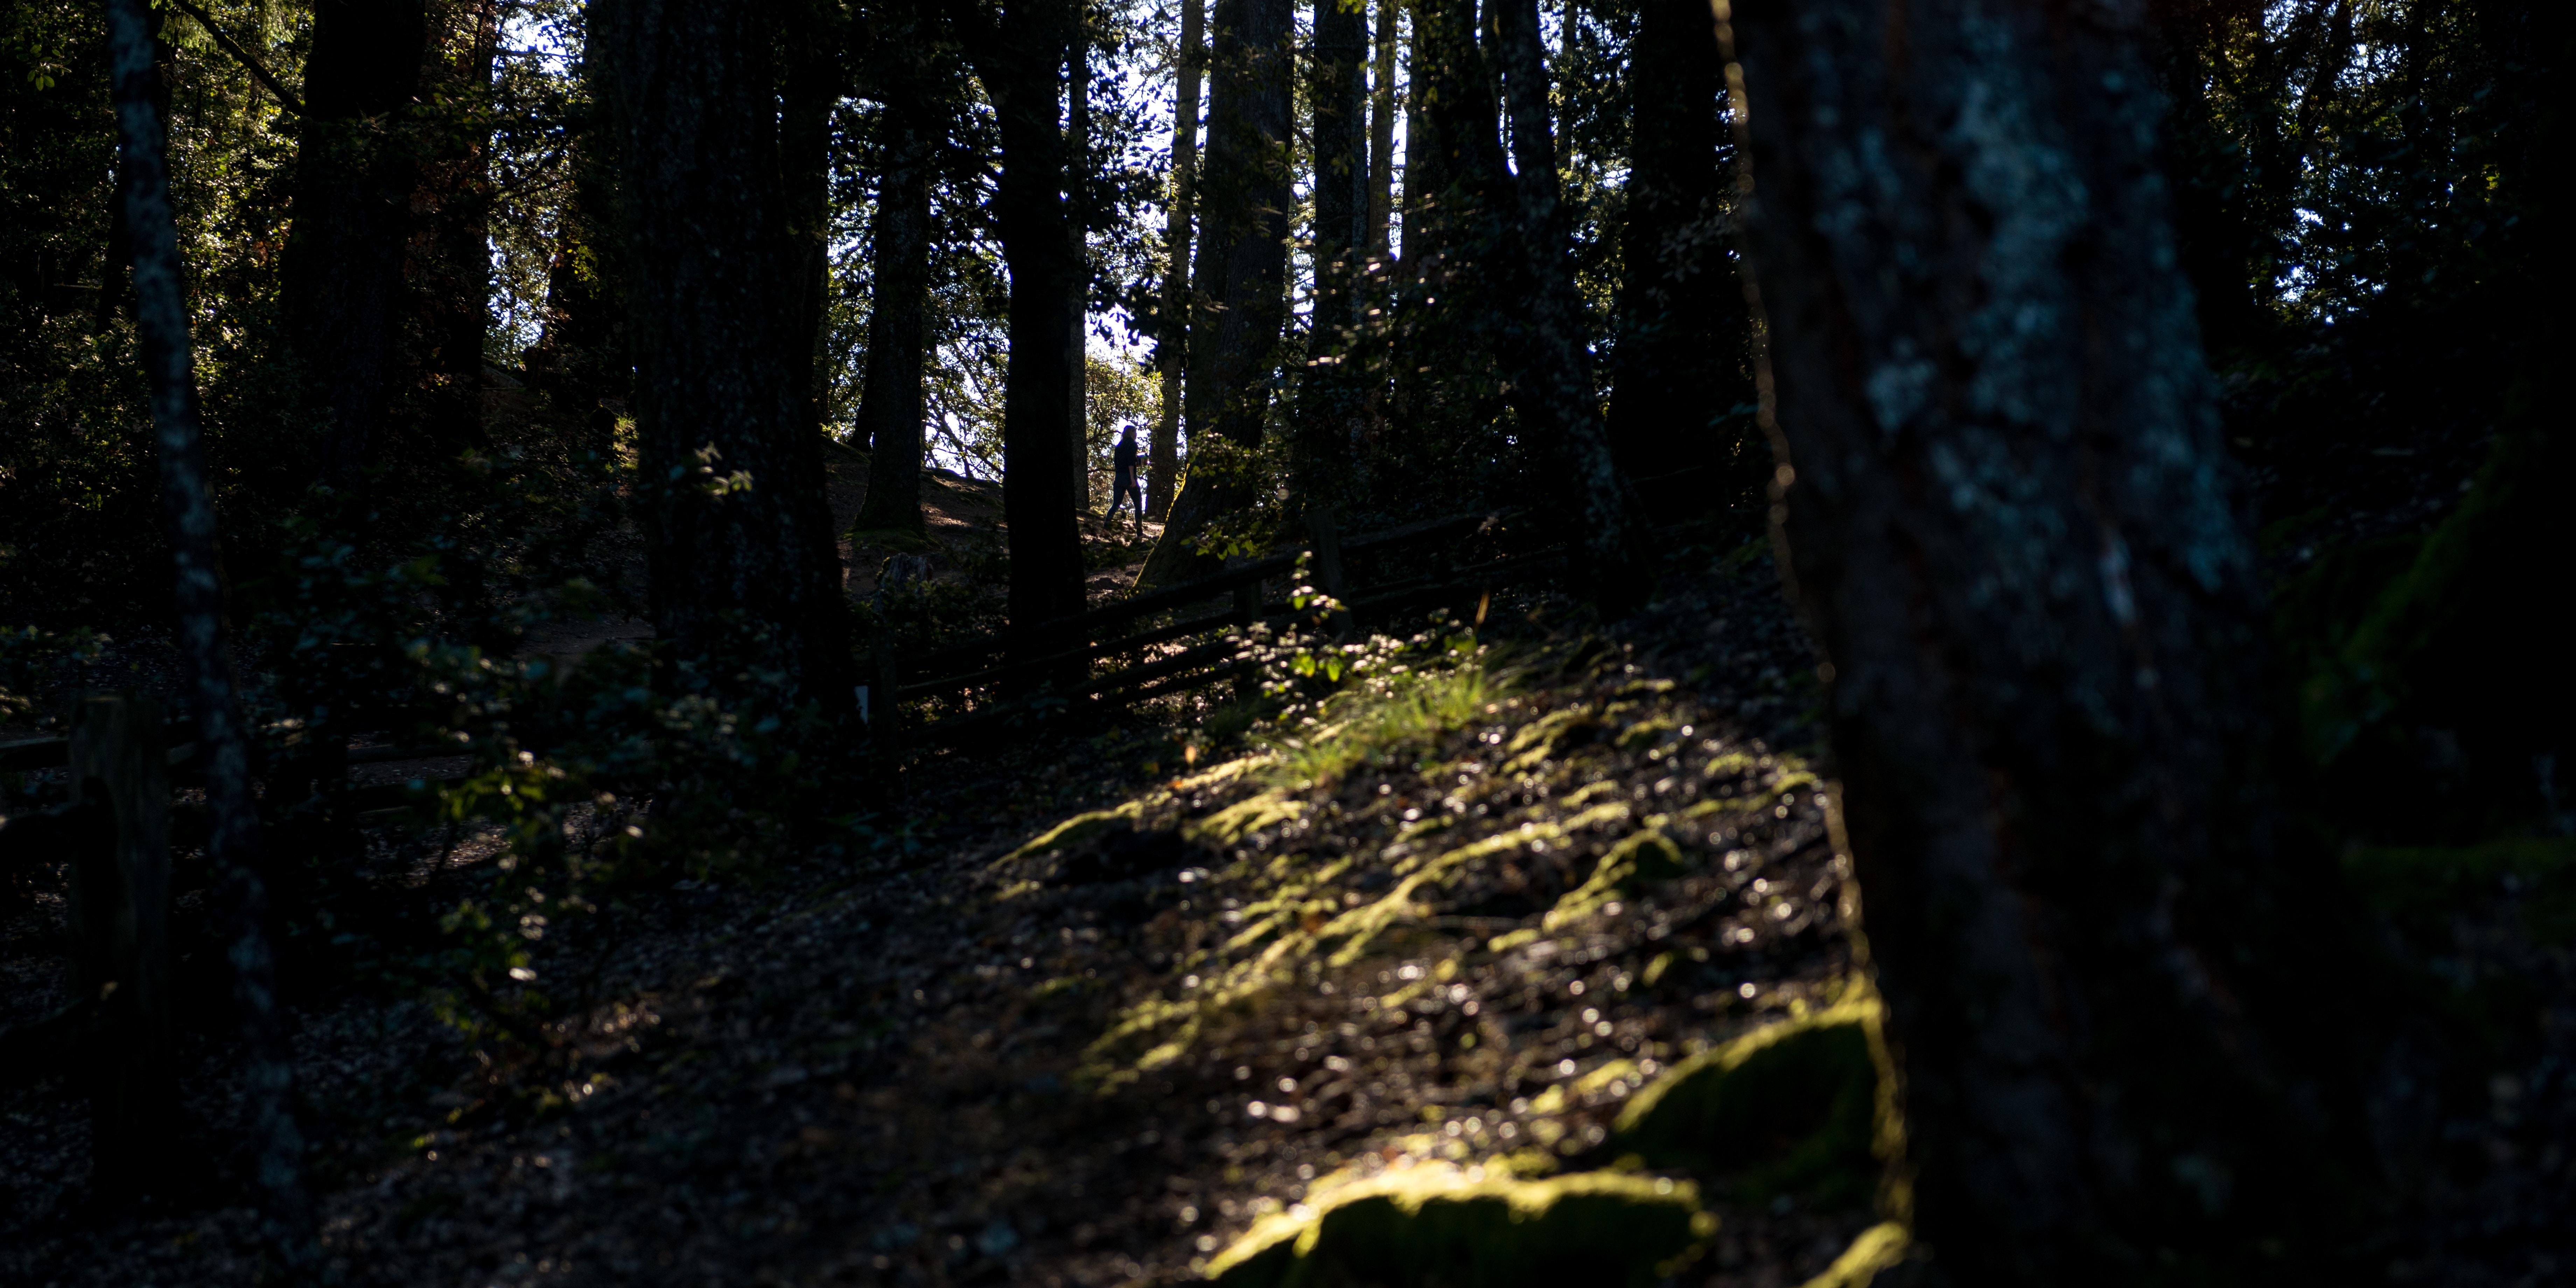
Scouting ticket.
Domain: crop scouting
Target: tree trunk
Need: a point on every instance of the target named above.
(582, 364)
(342, 277)
(1683, 351)
(1078, 214)
(1242, 278)
(1022, 67)
(739, 540)
(1330, 404)
(808, 93)
(1516, 222)
(890, 399)
(1381, 176)
(118, 910)
(1171, 351)
(1426, 174)
(1611, 558)
(188, 506)
(2010, 522)
(450, 274)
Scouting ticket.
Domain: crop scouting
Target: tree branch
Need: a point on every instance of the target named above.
(233, 47)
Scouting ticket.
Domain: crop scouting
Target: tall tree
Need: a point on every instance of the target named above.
(890, 397)
(1021, 61)
(1382, 109)
(450, 268)
(1683, 357)
(1556, 391)
(354, 174)
(1426, 172)
(813, 45)
(581, 363)
(188, 508)
(1512, 221)
(1171, 345)
(1241, 284)
(1080, 207)
(738, 536)
(1330, 396)
(2009, 519)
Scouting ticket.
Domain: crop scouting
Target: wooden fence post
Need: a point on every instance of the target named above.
(1247, 612)
(1328, 569)
(885, 721)
(120, 908)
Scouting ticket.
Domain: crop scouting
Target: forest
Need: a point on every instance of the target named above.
(1399, 643)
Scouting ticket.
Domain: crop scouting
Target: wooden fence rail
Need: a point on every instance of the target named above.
(1072, 645)
(1067, 646)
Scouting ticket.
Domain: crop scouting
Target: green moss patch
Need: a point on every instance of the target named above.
(1644, 856)
(1076, 830)
(1878, 1249)
(1432, 1226)
(1797, 1107)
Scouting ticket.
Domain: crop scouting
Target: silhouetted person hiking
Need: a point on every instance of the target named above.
(1123, 483)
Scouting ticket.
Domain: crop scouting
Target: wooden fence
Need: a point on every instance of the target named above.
(1011, 678)
(1061, 659)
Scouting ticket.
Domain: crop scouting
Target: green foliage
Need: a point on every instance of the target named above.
(1400, 698)
(31, 660)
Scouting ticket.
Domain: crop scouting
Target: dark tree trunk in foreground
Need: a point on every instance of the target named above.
(1242, 277)
(1683, 352)
(354, 173)
(739, 538)
(2010, 521)
(890, 397)
(188, 505)
(1171, 347)
(1330, 397)
(1022, 67)
(1555, 390)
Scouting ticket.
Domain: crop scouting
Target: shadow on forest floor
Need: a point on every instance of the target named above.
(1101, 1015)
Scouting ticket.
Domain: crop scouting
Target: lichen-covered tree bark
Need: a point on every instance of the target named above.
(240, 899)
(1683, 358)
(2009, 519)
(738, 536)
(1241, 285)
(342, 283)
